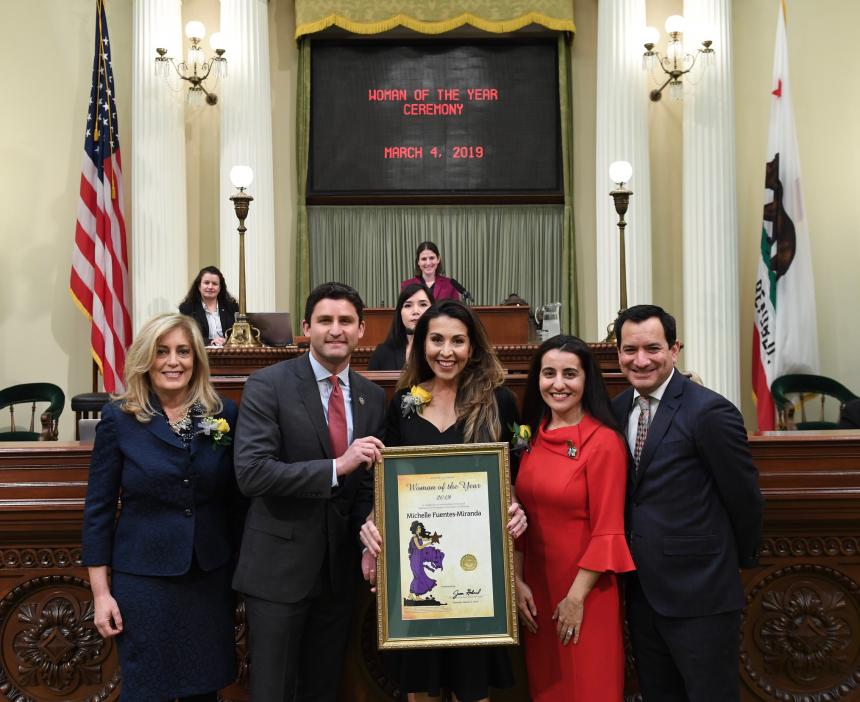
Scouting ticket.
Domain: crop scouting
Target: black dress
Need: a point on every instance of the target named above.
(387, 357)
(468, 672)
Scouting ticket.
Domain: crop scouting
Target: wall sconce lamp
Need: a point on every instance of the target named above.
(242, 335)
(620, 173)
(676, 62)
(196, 69)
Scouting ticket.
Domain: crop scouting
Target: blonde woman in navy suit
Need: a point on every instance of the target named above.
(160, 571)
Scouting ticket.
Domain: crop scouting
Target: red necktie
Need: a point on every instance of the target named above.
(337, 419)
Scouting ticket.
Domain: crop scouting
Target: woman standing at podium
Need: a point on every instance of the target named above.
(415, 299)
(429, 270)
(163, 448)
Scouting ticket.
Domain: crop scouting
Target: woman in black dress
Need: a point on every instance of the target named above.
(415, 299)
(453, 362)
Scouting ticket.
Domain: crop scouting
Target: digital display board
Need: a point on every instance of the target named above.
(434, 117)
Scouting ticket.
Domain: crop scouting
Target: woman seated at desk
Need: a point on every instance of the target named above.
(212, 307)
(429, 270)
(415, 299)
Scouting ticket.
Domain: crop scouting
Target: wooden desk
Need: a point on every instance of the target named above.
(230, 368)
(505, 324)
(514, 357)
(232, 386)
(801, 627)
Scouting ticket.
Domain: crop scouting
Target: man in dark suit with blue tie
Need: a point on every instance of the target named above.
(693, 518)
(307, 435)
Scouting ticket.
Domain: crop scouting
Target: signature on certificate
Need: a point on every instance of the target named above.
(469, 591)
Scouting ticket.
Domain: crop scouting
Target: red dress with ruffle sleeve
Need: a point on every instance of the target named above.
(575, 508)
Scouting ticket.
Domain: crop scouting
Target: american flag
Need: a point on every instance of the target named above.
(99, 279)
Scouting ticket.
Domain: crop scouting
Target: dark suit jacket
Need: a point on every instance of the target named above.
(694, 510)
(175, 502)
(196, 310)
(284, 464)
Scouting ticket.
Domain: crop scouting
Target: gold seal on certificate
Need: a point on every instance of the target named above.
(468, 562)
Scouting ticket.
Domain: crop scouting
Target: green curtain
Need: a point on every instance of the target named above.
(303, 121)
(437, 17)
(494, 251)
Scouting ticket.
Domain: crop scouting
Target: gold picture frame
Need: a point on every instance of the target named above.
(454, 588)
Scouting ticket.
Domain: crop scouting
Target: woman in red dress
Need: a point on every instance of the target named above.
(571, 484)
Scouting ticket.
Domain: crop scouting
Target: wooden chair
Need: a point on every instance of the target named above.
(806, 387)
(31, 394)
(87, 405)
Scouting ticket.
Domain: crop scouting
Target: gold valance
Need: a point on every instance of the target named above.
(436, 17)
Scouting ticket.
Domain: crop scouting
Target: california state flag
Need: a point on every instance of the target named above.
(785, 339)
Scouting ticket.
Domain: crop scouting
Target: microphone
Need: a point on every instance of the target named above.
(462, 290)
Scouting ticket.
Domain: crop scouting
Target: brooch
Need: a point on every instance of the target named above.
(571, 450)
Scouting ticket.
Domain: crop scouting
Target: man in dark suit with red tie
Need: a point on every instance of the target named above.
(693, 518)
(306, 437)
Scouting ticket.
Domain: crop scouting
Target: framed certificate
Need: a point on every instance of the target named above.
(445, 576)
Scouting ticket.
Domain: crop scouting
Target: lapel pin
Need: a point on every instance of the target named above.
(361, 400)
(571, 450)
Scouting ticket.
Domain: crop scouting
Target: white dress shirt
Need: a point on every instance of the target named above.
(322, 375)
(653, 402)
(214, 321)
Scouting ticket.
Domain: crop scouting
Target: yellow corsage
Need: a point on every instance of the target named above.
(522, 434)
(414, 400)
(218, 429)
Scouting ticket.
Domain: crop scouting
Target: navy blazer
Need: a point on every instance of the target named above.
(175, 502)
(284, 465)
(694, 509)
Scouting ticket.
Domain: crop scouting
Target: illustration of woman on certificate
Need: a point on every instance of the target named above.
(423, 556)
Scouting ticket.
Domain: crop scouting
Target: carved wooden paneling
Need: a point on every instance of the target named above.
(51, 649)
(49, 646)
(801, 635)
(801, 626)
